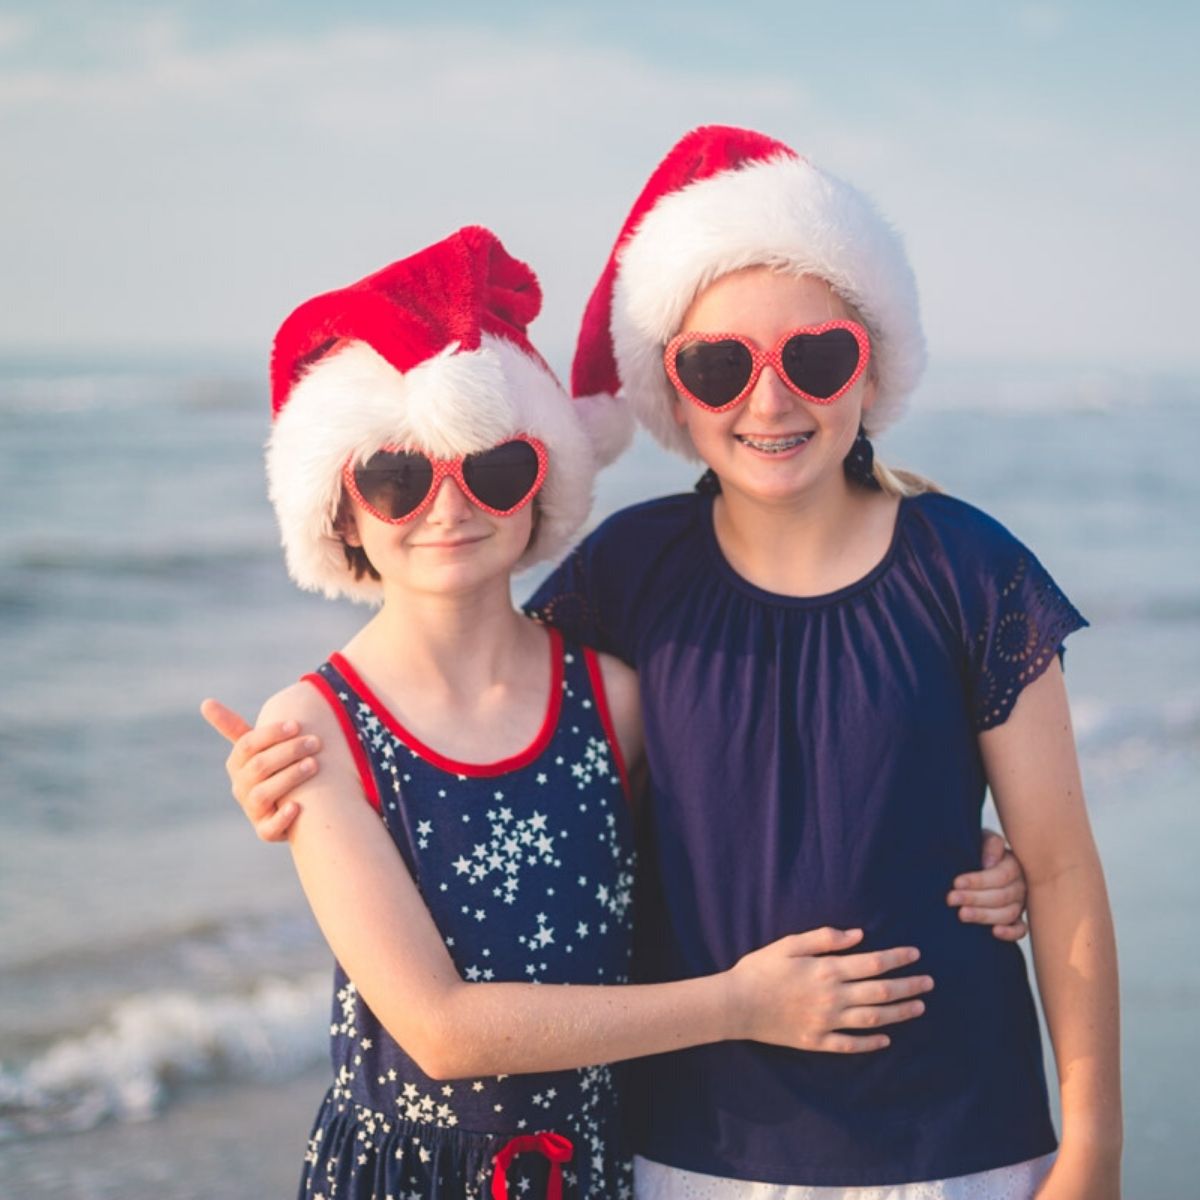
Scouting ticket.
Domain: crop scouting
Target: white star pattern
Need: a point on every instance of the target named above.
(561, 816)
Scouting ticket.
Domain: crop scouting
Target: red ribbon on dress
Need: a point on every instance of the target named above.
(554, 1146)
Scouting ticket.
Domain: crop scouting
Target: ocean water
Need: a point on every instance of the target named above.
(162, 987)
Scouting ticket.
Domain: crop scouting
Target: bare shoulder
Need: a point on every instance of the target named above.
(624, 705)
(302, 703)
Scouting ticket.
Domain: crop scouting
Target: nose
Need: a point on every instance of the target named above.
(450, 504)
(770, 397)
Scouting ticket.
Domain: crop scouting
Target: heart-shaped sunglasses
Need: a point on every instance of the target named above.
(398, 485)
(719, 370)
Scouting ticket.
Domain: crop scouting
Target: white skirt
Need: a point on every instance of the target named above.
(653, 1181)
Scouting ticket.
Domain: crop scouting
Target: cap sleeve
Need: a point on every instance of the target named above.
(575, 598)
(1017, 620)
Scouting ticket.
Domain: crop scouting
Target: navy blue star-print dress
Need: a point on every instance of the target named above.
(527, 868)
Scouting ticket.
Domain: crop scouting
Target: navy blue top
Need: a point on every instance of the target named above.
(814, 761)
(527, 868)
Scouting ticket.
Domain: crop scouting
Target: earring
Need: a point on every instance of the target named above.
(859, 463)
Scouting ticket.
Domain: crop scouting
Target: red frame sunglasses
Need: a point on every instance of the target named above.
(717, 371)
(397, 485)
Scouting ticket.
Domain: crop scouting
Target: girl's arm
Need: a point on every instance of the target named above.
(625, 708)
(792, 993)
(1034, 776)
(269, 761)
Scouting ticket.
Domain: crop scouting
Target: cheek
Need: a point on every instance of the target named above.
(520, 529)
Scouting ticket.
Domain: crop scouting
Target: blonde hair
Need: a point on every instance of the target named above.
(895, 481)
(892, 481)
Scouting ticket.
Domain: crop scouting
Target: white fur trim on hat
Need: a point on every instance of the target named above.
(352, 403)
(784, 213)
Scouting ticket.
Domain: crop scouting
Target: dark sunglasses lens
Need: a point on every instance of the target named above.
(394, 482)
(820, 364)
(502, 477)
(714, 372)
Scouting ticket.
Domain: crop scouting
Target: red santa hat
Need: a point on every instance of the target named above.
(721, 200)
(429, 353)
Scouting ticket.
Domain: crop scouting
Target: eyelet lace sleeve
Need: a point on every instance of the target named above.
(570, 600)
(1024, 621)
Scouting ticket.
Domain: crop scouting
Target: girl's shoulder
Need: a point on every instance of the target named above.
(955, 518)
(652, 523)
(311, 704)
(957, 536)
(299, 701)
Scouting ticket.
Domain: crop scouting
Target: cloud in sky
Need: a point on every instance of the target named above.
(178, 183)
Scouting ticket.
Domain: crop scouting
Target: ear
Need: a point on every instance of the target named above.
(345, 524)
(870, 393)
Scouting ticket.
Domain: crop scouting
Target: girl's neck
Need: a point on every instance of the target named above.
(446, 644)
(808, 545)
(462, 673)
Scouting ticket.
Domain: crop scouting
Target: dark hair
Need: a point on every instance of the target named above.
(358, 562)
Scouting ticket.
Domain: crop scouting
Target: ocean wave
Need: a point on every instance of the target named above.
(153, 1044)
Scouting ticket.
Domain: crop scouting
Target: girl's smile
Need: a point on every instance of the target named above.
(775, 445)
(452, 545)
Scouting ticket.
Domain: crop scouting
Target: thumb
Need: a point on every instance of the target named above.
(822, 941)
(993, 848)
(224, 720)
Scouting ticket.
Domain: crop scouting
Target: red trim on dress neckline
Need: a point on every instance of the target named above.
(370, 788)
(453, 766)
(592, 659)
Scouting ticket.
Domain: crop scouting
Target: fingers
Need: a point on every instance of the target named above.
(274, 828)
(821, 941)
(224, 720)
(885, 991)
(255, 741)
(999, 897)
(1006, 915)
(1010, 933)
(845, 1043)
(874, 1015)
(264, 797)
(876, 962)
(278, 756)
(1006, 872)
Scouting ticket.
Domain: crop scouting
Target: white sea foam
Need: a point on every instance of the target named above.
(126, 1067)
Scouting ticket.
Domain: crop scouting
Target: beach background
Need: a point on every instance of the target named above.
(182, 183)
(165, 998)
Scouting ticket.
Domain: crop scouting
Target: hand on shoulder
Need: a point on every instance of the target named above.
(271, 760)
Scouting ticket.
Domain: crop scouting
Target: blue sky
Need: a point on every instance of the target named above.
(179, 175)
